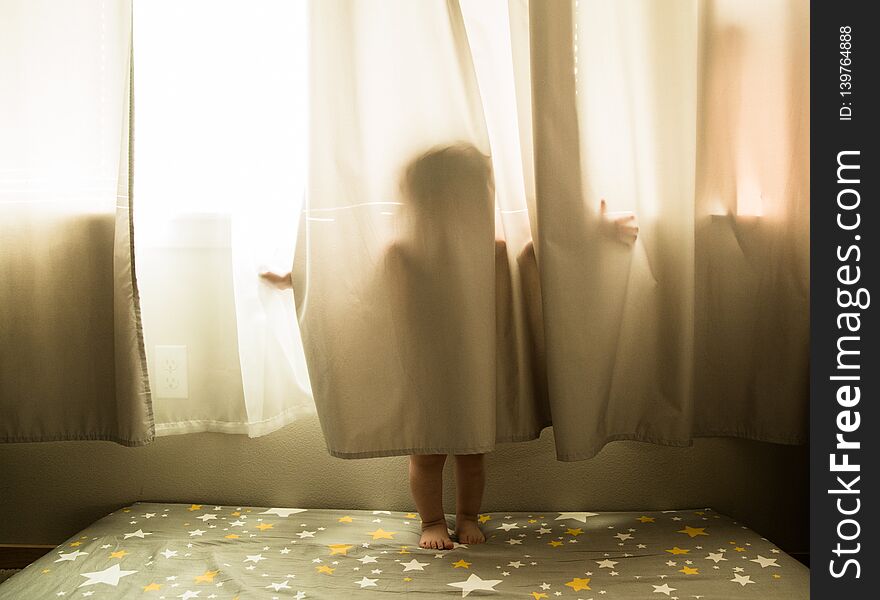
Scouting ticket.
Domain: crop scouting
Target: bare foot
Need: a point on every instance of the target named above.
(436, 537)
(468, 531)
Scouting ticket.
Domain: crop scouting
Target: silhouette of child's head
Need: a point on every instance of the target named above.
(455, 177)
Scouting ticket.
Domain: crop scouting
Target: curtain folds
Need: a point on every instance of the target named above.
(72, 362)
(418, 341)
(455, 283)
(221, 164)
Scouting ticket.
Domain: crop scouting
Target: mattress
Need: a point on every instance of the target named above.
(164, 551)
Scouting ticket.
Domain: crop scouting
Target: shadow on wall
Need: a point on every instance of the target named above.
(56, 489)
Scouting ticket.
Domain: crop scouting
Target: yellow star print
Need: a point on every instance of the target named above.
(538, 595)
(484, 518)
(195, 507)
(339, 548)
(555, 543)
(152, 587)
(325, 569)
(646, 519)
(118, 554)
(407, 578)
(574, 532)
(410, 515)
(677, 550)
(577, 584)
(403, 550)
(345, 519)
(461, 563)
(231, 536)
(207, 577)
(689, 570)
(75, 544)
(693, 531)
(264, 526)
(381, 534)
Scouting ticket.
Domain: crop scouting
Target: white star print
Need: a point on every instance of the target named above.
(473, 583)
(414, 565)
(764, 562)
(283, 512)
(254, 558)
(663, 589)
(743, 580)
(138, 534)
(207, 517)
(364, 582)
(577, 516)
(110, 576)
(279, 586)
(70, 555)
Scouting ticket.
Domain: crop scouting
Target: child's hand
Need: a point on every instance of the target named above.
(282, 282)
(621, 228)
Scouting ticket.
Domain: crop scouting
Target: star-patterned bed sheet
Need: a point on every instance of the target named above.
(185, 551)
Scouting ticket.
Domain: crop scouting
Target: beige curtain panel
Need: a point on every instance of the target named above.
(72, 362)
(455, 282)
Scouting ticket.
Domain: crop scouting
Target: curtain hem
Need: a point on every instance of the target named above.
(596, 448)
(257, 429)
(135, 291)
(533, 435)
(96, 437)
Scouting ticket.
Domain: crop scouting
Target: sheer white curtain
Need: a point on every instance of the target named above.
(417, 335)
(71, 354)
(220, 150)
(700, 328)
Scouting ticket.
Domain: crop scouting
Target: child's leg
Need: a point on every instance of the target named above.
(470, 478)
(426, 485)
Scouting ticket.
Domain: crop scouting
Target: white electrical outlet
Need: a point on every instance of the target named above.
(170, 380)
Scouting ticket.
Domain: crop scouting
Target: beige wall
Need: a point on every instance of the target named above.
(49, 491)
